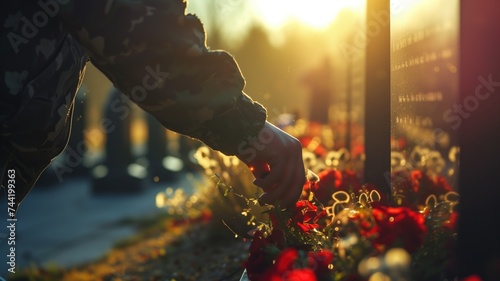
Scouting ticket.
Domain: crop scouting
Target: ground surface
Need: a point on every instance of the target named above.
(64, 232)
(172, 251)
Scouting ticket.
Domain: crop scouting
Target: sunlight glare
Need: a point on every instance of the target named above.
(314, 13)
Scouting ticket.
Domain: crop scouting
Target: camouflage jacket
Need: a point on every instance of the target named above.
(151, 51)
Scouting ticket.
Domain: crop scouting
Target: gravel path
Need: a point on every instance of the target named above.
(197, 252)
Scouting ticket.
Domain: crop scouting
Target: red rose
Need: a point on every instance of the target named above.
(367, 227)
(258, 259)
(412, 189)
(398, 225)
(305, 215)
(451, 222)
(369, 187)
(285, 268)
(302, 274)
(286, 260)
(350, 182)
(472, 278)
(330, 180)
(320, 261)
(425, 186)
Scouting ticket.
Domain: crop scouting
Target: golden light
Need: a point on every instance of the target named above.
(314, 13)
(139, 131)
(94, 138)
(160, 200)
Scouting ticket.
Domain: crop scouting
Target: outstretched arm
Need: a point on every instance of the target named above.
(156, 54)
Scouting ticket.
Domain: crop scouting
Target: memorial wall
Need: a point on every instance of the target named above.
(424, 56)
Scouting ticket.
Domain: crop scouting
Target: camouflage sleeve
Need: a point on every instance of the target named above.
(156, 54)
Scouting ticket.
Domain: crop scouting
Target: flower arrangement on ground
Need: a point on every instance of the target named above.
(341, 229)
(354, 235)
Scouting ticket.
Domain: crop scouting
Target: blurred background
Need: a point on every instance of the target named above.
(302, 60)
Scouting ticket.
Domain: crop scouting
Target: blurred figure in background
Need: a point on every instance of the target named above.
(319, 82)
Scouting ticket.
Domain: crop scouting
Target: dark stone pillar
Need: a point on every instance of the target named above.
(116, 175)
(319, 83)
(479, 132)
(378, 98)
(157, 151)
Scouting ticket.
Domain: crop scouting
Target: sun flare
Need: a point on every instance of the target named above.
(314, 13)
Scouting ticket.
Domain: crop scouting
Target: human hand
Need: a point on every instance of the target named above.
(275, 159)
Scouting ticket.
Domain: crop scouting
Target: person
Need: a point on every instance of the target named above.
(156, 54)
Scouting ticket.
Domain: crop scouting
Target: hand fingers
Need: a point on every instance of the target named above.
(289, 187)
(283, 183)
(260, 170)
(295, 190)
(268, 182)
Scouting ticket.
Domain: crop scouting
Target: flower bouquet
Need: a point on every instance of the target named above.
(353, 235)
(341, 229)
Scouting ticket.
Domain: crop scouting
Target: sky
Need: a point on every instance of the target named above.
(235, 17)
